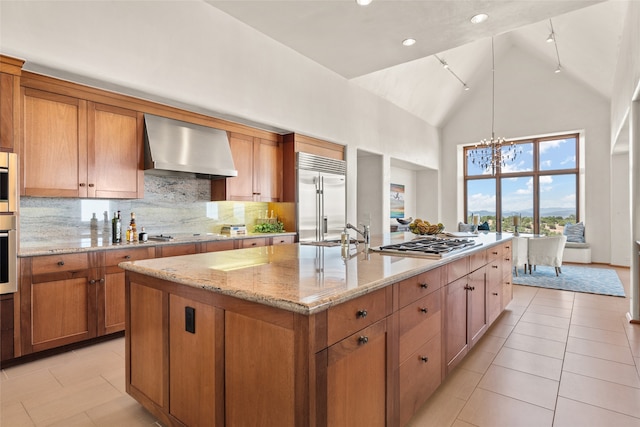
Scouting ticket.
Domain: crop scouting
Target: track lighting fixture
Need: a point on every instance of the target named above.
(448, 68)
(552, 38)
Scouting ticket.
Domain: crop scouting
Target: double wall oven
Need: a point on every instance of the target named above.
(8, 223)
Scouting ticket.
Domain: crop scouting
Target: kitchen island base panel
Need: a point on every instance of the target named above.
(267, 365)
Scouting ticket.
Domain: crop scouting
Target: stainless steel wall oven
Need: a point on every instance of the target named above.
(8, 254)
(8, 182)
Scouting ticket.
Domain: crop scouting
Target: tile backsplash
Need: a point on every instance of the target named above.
(171, 205)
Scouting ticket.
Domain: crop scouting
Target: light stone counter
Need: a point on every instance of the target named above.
(299, 278)
(75, 245)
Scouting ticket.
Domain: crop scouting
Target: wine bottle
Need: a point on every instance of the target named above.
(115, 228)
(134, 230)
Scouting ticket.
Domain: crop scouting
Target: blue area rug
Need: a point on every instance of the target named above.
(601, 281)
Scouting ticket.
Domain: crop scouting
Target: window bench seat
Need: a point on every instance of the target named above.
(577, 252)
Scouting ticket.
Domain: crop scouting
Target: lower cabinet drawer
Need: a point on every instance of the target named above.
(419, 322)
(351, 316)
(420, 376)
(57, 263)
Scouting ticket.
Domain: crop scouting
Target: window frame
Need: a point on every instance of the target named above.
(535, 173)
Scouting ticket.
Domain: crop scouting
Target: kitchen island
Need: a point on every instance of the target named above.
(305, 335)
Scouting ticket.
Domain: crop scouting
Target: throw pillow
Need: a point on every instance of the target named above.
(484, 226)
(465, 228)
(574, 232)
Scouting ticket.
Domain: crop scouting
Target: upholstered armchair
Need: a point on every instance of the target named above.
(519, 253)
(546, 251)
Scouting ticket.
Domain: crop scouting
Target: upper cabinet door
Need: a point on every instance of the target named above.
(54, 145)
(259, 165)
(75, 148)
(115, 152)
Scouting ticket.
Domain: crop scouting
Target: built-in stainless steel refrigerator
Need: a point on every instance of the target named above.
(322, 197)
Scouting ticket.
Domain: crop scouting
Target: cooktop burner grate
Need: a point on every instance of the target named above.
(430, 246)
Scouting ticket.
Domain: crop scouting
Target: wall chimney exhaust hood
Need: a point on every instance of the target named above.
(173, 147)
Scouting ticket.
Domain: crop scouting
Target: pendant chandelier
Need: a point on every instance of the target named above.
(492, 154)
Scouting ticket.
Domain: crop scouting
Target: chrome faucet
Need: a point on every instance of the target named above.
(365, 234)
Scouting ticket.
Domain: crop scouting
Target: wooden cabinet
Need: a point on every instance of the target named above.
(176, 250)
(10, 70)
(507, 275)
(58, 301)
(6, 327)
(356, 374)
(73, 297)
(252, 242)
(282, 240)
(97, 148)
(259, 165)
(221, 245)
(196, 329)
(110, 306)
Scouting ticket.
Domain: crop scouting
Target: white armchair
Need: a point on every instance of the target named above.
(546, 251)
(519, 253)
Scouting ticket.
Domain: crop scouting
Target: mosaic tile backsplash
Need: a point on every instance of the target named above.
(171, 206)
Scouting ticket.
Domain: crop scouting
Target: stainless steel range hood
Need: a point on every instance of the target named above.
(174, 147)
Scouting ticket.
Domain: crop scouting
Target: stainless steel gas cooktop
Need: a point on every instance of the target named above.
(428, 247)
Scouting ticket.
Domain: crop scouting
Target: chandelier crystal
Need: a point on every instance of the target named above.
(494, 153)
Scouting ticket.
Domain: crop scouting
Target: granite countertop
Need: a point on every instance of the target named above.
(67, 246)
(300, 278)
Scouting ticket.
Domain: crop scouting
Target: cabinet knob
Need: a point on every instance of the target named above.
(82, 184)
(91, 185)
(361, 313)
(494, 294)
(102, 280)
(469, 288)
(495, 253)
(127, 257)
(92, 282)
(424, 309)
(424, 285)
(425, 359)
(363, 339)
(494, 266)
(254, 244)
(61, 263)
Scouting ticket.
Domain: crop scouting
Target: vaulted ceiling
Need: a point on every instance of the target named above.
(364, 44)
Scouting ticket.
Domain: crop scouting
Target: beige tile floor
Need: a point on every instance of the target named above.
(552, 359)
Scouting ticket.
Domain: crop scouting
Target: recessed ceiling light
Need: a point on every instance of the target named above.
(477, 19)
(409, 42)
(364, 2)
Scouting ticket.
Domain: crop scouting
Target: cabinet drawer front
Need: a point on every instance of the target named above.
(420, 375)
(418, 286)
(457, 269)
(351, 316)
(177, 250)
(252, 243)
(282, 240)
(494, 253)
(130, 254)
(56, 263)
(419, 322)
(219, 246)
(478, 259)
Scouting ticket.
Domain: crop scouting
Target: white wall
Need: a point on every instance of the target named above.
(189, 54)
(532, 100)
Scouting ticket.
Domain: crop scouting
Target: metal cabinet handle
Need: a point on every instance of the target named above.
(127, 257)
(469, 288)
(361, 313)
(494, 266)
(495, 253)
(91, 185)
(102, 280)
(82, 184)
(92, 282)
(363, 339)
(424, 309)
(61, 263)
(425, 359)
(424, 285)
(254, 244)
(494, 293)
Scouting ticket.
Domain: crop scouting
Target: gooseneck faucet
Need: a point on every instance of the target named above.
(365, 233)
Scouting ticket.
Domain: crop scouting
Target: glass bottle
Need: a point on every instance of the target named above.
(134, 230)
(116, 228)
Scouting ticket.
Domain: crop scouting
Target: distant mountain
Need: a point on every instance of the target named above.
(561, 212)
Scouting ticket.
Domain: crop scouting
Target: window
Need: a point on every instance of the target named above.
(540, 187)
